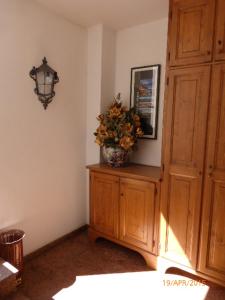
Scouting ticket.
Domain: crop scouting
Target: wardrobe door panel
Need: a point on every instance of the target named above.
(185, 131)
(220, 31)
(212, 250)
(191, 31)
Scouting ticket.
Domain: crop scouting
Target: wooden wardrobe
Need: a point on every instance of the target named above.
(193, 188)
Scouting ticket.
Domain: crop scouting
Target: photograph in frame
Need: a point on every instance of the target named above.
(144, 97)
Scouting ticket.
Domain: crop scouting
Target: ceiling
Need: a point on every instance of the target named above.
(117, 14)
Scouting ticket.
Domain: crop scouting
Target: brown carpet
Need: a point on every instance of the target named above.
(46, 275)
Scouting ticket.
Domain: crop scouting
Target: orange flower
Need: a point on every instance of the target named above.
(99, 141)
(101, 118)
(126, 142)
(127, 127)
(111, 134)
(139, 132)
(115, 111)
(102, 129)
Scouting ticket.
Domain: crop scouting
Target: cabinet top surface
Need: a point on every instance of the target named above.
(132, 170)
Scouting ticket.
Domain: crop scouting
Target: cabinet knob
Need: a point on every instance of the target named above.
(219, 42)
(210, 171)
(121, 194)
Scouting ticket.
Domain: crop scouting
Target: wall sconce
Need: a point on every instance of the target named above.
(45, 79)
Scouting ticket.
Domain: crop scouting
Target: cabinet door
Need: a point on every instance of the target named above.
(184, 146)
(104, 203)
(220, 31)
(137, 211)
(191, 31)
(212, 250)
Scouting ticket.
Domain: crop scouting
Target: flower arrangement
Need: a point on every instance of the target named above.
(119, 127)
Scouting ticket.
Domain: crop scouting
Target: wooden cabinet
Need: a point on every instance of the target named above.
(191, 31)
(137, 209)
(104, 203)
(124, 207)
(220, 31)
(212, 250)
(193, 188)
(185, 131)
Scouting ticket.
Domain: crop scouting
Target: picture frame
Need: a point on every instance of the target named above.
(144, 97)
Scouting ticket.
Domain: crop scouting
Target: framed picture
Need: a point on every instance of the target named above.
(144, 97)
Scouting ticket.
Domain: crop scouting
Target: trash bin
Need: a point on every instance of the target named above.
(11, 249)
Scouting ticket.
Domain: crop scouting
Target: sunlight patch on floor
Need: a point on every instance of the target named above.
(134, 286)
(10, 267)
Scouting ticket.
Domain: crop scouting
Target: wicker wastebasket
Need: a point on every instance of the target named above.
(11, 249)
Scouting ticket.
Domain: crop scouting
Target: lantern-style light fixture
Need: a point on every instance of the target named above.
(45, 79)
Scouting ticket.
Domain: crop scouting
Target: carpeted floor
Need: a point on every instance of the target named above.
(56, 269)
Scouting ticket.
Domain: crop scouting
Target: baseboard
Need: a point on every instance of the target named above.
(47, 247)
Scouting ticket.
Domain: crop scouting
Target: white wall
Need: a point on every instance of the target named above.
(100, 82)
(94, 86)
(42, 153)
(140, 46)
(108, 67)
(100, 86)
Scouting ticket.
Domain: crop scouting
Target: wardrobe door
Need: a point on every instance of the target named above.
(191, 31)
(184, 146)
(212, 249)
(220, 31)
